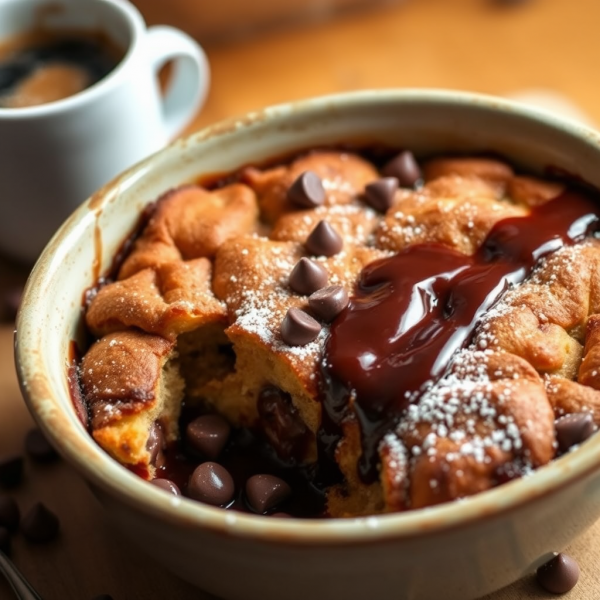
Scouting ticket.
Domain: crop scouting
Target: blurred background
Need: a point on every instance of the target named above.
(268, 51)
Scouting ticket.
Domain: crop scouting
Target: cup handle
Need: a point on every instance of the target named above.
(190, 80)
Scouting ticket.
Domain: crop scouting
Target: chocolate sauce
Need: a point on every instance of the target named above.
(79, 404)
(414, 310)
(122, 253)
(282, 426)
(97, 262)
(245, 455)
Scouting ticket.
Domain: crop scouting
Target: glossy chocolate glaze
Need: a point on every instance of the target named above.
(414, 310)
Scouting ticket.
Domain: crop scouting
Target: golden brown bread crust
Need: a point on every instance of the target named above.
(130, 382)
(588, 374)
(457, 211)
(568, 397)
(120, 374)
(494, 172)
(200, 278)
(355, 222)
(344, 176)
(191, 222)
(490, 411)
(533, 191)
(544, 319)
(172, 299)
(488, 419)
(582, 395)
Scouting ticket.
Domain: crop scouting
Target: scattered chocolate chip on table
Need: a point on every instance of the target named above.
(559, 575)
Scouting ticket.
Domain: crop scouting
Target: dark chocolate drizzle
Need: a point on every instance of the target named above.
(75, 391)
(414, 310)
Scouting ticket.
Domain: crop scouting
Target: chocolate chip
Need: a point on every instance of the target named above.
(264, 492)
(11, 471)
(324, 240)
(558, 575)
(9, 513)
(299, 328)
(380, 194)
(40, 524)
(328, 302)
(167, 485)
(573, 429)
(208, 435)
(307, 277)
(156, 444)
(4, 540)
(307, 191)
(405, 168)
(211, 483)
(38, 447)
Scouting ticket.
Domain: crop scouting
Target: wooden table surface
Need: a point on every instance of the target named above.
(481, 45)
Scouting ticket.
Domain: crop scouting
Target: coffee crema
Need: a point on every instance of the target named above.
(44, 66)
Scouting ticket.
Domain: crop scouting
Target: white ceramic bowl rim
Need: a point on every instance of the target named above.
(119, 482)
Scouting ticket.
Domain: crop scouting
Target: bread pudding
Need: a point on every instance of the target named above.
(349, 333)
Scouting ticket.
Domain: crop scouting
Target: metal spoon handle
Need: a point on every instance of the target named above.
(21, 587)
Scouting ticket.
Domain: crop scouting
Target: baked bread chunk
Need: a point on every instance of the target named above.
(343, 175)
(229, 298)
(134, 393)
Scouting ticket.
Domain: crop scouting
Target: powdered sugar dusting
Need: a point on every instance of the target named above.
(396, 460)
(464, 408)
(259, 294)
(262, 296)
(536, 296)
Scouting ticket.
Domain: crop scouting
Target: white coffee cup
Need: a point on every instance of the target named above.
(53, 156)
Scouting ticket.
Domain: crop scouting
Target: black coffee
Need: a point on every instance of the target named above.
(44, 67)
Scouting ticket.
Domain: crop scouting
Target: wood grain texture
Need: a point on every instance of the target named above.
(477, 45)
(459, 44)
(224, 21)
